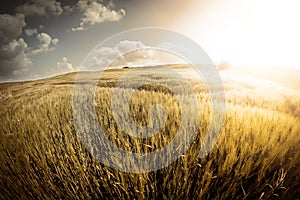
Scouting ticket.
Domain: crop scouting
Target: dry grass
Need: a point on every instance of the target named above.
(257, 155)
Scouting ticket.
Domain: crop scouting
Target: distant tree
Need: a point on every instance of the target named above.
(223, 65)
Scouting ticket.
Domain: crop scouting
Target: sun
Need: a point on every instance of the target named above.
(252, 33)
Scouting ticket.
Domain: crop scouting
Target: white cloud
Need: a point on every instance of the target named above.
(47, 44)
(104, 56)
(30, 31)
(126, 45)
(14, 50)
(81, 27)
(44, 38)
(55, 41)
(41, 8)
(128, 53)
(64, 65)
(94, 12)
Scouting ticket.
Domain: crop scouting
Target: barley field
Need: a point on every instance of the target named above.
(257, 155)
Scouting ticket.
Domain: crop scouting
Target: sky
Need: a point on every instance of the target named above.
(42, 38)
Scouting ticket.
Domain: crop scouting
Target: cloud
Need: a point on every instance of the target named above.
(81, 27)
(104, 56)
(41, 8)
(55, 41)
(126, 45)
(64, 65)
(94, 12)
(11, 27)
(68, 9)
(30, 31)
(129, 53)
(47, 44)
(14, 58)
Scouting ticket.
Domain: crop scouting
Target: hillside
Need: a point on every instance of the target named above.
(257, 155)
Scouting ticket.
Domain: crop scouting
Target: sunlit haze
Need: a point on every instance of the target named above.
(246, 33)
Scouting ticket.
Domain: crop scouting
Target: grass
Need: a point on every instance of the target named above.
(41, 155)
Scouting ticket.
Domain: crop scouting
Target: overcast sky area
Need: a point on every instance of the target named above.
(41, 38)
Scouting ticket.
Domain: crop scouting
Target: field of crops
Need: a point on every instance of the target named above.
(257, 155)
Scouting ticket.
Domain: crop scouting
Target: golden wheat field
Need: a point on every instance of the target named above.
(257, 155)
